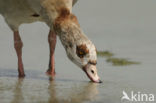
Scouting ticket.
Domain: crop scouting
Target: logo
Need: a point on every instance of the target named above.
(137, 97)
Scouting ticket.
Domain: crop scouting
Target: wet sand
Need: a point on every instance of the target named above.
(126, 28)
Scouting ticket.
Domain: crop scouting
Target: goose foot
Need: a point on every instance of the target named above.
(51, 73)
(21, 75)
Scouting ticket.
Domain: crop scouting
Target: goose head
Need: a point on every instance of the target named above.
(79, 49)
(83, 54)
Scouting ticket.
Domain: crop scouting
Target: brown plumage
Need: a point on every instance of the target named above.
(81, 50)
(57, 14)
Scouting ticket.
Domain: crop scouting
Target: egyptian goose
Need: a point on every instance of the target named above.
(57, 14)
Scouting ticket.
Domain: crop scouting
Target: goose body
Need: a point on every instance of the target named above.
(57, 14)
(17, 12)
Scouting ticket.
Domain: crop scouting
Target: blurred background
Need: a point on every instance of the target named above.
(126, 28)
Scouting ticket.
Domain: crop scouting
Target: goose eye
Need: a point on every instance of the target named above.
(92, 71)
(81, 53)
(82, 50)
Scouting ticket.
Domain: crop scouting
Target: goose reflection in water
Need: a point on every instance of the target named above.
(18, 95)
(75, 94)
(57, 92)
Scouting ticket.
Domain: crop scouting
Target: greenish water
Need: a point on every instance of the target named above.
(115, 61)
(104, 54)
(121, 62)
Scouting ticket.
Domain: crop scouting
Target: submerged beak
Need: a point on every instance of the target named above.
(99, 81)
(91, 72)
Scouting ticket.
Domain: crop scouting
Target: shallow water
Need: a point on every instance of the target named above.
(126, 28)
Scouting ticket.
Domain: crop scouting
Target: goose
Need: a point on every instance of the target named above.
(57, 14)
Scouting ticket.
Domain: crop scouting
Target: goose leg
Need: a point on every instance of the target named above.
(18, 47)
(52, 44)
